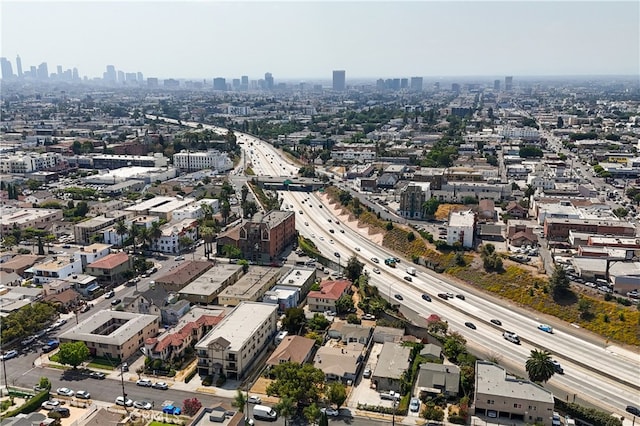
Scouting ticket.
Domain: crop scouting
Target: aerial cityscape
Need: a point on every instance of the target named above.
(316, 213)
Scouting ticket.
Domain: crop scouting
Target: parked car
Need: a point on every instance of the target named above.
(332, 412)
(414, 405)
(97, 375)
(369, 317)
(62, 411)
(121, 400)
(83, 394)
(546, 328)
(142, 405)
(51, 404)
(144, 382)
(8, 355)
(426, 297)
(254, 399)
(109, 294)
(496, 322)
(160, 385)
(65, 392)
(470, 325)
(171, 409)
(116, 302)
(29, 340)
(367, 372)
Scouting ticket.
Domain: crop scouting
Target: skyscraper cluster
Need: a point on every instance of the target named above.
(41, 72)
(113, 76)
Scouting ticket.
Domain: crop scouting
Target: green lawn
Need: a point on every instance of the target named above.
(155, 423)
(102, 363)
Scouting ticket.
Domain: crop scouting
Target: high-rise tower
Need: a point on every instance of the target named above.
(339, 80)
(19, 66)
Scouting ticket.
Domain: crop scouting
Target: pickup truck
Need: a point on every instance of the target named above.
(390, 396)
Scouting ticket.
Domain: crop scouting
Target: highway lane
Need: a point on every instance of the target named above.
(568, 347)
(613, 394)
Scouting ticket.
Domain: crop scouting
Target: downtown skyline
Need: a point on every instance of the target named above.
(307, 41)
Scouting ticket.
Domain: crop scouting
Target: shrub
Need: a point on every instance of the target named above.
(190, 376)
(30, 405)
(221, 380)
(207, 381)
(590, 415)
(457, 419)
(353, 319)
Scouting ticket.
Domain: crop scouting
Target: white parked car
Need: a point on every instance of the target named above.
(330, 412)
(142, 405)
(83, 394)
(122, 401)
(51, 404)
(254, 399)
(144, 382)
(65, 392)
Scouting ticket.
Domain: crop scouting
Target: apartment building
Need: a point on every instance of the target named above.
(558, 229)
(113, 334)
(500, 395)
(29, 162)
(412, 198)
(84, 231)
(110, 269)
(111, 161)
(262, 238)
(172, 234)
(325, 299)
(237, 341)
(361, 153)
(461, 228)
(56, 269)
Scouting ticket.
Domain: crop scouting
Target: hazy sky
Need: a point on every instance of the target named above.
(300, 39)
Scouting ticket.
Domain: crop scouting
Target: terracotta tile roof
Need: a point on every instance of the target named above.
(110, 261)
(331, 290)
(177, 338)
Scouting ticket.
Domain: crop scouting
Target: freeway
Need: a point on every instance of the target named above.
(602, 374)
(581, 358)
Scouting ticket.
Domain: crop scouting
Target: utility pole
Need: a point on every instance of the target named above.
(124, 394)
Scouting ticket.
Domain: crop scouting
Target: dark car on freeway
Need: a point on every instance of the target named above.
(470, 325)
(496, 322)
(426, 297)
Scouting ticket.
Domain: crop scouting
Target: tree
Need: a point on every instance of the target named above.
(431, 206)
(244, 191)
(344, 304)
(184, 242)
(433, 412)
(81, 209)
(454, 345)
(337, 394)
(121, 230)
(621, 212)
(584, 307)
(73, 353)
(324, 420)
(354, 268)
(240, 401)
(559, 281)
(318, 322)
(539, 366)
(286, 408)
(44, 383)
(133, 233)
(139, 371)
(311, 413)
(225, 211)
(302, 383)
(293, 320)
(190, 406)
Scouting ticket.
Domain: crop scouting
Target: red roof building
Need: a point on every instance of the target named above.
(325, 299)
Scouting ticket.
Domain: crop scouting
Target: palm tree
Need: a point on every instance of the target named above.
(155, 232)
(240, 401)
(286, 408)
(207, 235)
(145, 236)
(539, 366)
(133, 233)
(225, 211)
(121, 229)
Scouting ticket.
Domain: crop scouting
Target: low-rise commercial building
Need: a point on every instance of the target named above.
(11, 218)
(211, 159)
(251, 287)
(181, 275)
(204, 290)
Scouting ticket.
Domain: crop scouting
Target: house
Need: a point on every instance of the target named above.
(65, 301)
(486, 210)
(524, 238)
(514, 209)
(350, 333)
(500, 395)
(233, 346)
(10, 279)
(325, 299)
(92, 253)
(293, 349)
(340, 361)
(387, 180)
(20, 263)
(435, 379)
(157, 301)
(394, 359)
(111, 269)
(431, 352)
(387, 334)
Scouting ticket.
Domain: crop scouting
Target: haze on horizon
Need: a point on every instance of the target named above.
(307, 40)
